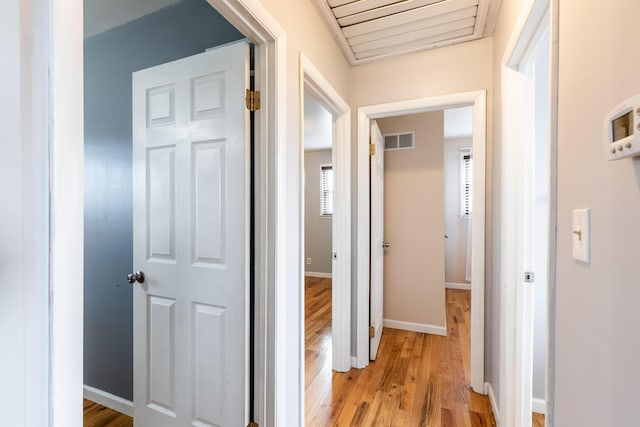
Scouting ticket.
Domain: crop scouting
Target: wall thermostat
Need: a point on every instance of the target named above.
(622, 130)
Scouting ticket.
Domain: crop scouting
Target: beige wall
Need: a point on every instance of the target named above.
(452, 69)
(414, 222)
(317, 229)
(598, 321)
(456, 228)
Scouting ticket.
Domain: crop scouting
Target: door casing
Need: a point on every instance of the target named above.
(314, 83)
(477, 100)
(516, 343)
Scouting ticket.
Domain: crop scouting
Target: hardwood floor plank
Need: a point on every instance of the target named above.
(537, 420)
(416, 380)
(96, 415)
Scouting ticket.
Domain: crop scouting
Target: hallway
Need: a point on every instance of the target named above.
(417, 380)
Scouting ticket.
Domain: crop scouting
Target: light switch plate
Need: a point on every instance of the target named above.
(582, 235)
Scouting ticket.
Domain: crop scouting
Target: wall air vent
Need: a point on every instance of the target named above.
(399, 141)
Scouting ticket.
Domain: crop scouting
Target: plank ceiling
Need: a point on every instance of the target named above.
(368, 30)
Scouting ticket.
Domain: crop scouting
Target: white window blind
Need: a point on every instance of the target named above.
(326, 190)
(466, 194)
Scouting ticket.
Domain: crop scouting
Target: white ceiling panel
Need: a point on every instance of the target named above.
(469, 12)
(373, 29)
(416, 45)
(402, 39)
(380, 12)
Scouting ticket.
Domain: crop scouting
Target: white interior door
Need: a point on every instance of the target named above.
(377, 238)
(190, 162)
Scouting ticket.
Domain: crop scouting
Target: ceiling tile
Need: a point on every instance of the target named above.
(368, 30)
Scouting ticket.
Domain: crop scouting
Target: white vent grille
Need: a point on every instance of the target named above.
(399, 141)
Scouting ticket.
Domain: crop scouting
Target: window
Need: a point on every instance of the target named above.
(466, 194)
(326, 190)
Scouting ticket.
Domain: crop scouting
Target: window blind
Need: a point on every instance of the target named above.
(326, 190)
(466, 195)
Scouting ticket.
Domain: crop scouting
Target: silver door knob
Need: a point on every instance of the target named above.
(138, 276)
(386, 244)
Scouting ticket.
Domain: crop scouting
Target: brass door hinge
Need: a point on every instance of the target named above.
(253, 424)
(372, 332)
(253, 100)
(372, 149)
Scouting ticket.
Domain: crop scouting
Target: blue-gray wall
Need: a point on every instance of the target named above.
(184, 29)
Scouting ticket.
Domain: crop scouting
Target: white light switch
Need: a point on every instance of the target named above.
(582, 235)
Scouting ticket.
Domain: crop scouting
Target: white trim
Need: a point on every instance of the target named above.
(463, 286)
(553, 217)
(26, 272)
(539, 406)
(317, 274)
(365, 114)
(516, 341)
(278, 402)
(488, 390)
(481, 17)
(66, 140)
(314, 83)
(415, 327)
(109, 400)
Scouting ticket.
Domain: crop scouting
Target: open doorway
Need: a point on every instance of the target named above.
(66, 210)
(530, 75)
(365, 115)
(458, 196)
(413, 226)
(319, 186)
(538, 225)
(178, 185)
(326, 262)
(427, 198)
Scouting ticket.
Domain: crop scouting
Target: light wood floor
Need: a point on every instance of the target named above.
(538, 420)
(96, 415)
(417, 379)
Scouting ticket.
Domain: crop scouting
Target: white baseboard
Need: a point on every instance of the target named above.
(494, 405)
(317, 274)
(539, 405)
(463, 286)
(415, 327)
(109, 400)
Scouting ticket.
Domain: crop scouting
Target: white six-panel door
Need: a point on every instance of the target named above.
(377, 238)
(190, 163)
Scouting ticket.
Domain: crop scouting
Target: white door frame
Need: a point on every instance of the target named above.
(314, 83)
(517, 113)
(59, 35)
(476, 99)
